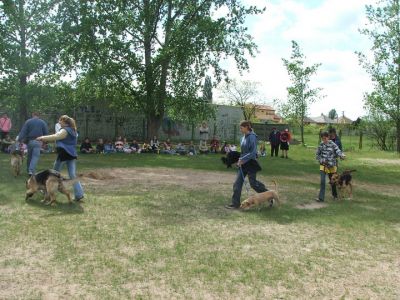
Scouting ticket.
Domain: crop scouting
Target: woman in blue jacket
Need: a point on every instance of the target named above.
(248, 165)
(66, 141)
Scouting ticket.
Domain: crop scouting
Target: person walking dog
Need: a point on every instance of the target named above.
(32, 129)
(247, 164)
(66, 140)
(327, 154)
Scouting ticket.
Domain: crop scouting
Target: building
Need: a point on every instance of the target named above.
(325, 120)
(266, 113)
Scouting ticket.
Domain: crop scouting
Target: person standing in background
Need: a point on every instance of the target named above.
(203, 137)
(285, 138)
(5, 127)
(334, 138)
(275, 141)
(32, 129)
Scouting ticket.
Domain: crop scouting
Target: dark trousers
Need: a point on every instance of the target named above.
(274, 150)
(237, 186)
(322, 186)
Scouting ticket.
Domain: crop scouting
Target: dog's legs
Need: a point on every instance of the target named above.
(52, 199)
(46, 197)
(64, 191)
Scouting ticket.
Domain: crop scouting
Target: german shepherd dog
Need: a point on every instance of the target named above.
(49, 181)
(344, 183)
(16, 162)
(230, 158)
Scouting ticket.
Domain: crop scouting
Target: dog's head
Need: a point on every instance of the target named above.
(335, 179)
(247, 203)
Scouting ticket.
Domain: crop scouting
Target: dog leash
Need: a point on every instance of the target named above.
(244, 181)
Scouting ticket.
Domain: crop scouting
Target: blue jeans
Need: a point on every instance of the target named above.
(237, 186)
(71, 165)
(33, 155)
(322, 186)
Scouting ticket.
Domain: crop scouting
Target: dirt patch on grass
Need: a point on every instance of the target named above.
(311, 206)
(155, 177)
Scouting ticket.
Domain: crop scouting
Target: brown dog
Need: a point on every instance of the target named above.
(48, 181)
(257, 199)
(344, 183)
(16, 162)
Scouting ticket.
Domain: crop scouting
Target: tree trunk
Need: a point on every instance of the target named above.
(23, 103)
(23, 77)
(302, 133)
(398, 135)
(153, 124)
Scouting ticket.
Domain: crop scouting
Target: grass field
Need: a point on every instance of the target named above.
(156, 229)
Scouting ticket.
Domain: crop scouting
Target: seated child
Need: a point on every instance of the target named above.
(168, 147)
(191, 149)
(109, 147)
(155, 145)
(135, 147)
(180, 149)
(214, 145)
(86, 146)
(100, 146)
(119, 146)
(146, 148)
(127, 149)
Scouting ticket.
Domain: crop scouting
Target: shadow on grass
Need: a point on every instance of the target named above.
(61, 208)
(342, 213)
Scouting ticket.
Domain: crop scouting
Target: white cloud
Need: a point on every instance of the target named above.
(328, 34)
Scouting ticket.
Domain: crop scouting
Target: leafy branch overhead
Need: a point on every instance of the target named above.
(156, 51)
(300, 93)
(384, 68)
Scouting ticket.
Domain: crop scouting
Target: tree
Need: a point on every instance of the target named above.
(300, 94)
(156, 51)
(29, 50)
(384, 69)
(332, 114)
(244, 94)
(207, 90)
(378, 126)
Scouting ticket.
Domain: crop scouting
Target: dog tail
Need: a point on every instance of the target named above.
(276, 185)
(70, 181)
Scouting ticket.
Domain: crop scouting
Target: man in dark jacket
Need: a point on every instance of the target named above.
(274, 140)
(33, 128)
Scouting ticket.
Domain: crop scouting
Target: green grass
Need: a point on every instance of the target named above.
(150, 240)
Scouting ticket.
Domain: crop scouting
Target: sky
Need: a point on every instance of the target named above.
(327, 32)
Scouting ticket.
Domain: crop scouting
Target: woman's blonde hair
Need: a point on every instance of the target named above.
(69, 121)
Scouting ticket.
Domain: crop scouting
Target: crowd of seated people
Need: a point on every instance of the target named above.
(122, 145)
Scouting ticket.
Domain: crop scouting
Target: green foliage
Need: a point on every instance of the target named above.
(29, 51)
(333, 114)
(207, 90)
(244, 94)
(300, 94)
(156, 52)
(384, 69)
(380, 128)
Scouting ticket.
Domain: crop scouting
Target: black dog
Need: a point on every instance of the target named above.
(230, 158)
